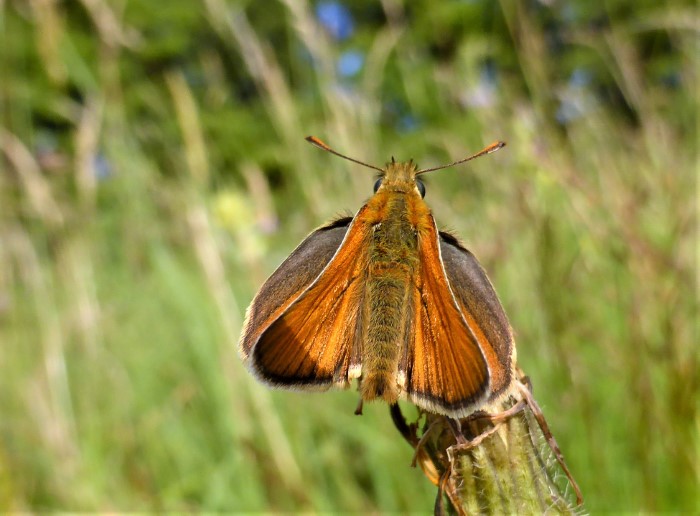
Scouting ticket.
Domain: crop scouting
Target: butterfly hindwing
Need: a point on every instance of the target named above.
(482, 310)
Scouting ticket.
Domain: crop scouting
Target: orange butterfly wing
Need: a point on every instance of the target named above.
(445, 370)
(315, 340)
(290, 280)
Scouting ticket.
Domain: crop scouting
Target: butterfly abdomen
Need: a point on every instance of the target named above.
(393, 263)
(384, 331)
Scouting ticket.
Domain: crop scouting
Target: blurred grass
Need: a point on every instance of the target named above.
(154, 172)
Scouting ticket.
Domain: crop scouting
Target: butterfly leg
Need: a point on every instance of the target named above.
(424, 438)
(439, 499)
(358, 410)
(456, 427)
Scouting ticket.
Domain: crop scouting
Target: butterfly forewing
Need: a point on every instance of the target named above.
(290, 280)
(446, 370)
(312, 341)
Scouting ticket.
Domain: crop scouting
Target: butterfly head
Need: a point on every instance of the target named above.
(400, 177)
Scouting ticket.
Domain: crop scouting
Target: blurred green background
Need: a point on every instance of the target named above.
(153, 172)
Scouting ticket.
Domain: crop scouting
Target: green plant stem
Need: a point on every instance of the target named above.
(499, 463)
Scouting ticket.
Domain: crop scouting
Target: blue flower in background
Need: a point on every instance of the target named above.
(672, 79)
(408, 123)
(567, 112)
(336, 19)
(575, 99)
(350, 63)
(484, 93)
(103, 168)
(580, 78)
(398, 113)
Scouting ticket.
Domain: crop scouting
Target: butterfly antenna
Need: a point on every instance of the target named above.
(486, 150)
(318, 143)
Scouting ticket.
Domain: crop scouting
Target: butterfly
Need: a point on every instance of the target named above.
(386, 298)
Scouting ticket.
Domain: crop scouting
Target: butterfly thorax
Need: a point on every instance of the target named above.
(393, 264)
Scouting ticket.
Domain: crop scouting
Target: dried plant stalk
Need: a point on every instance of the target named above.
(501, 460)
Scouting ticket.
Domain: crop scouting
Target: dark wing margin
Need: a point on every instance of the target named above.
(482, 310)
